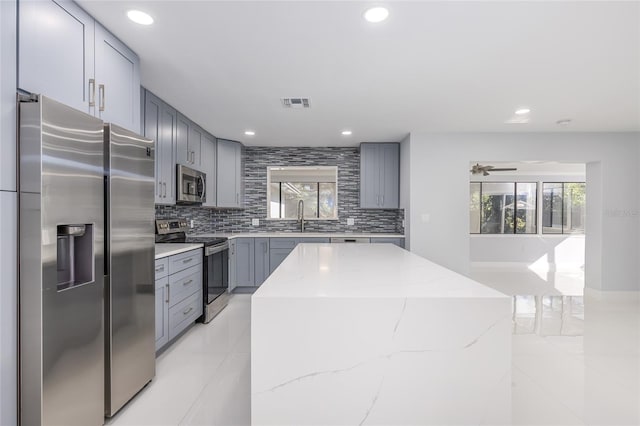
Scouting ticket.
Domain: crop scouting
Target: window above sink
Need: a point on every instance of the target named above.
(316, 186)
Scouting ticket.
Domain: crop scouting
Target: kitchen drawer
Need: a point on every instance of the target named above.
(184, 283)
(283, 243)
(184, 314)
(162, 267)
(185, 260)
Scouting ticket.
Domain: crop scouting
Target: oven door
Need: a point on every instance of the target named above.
(216, 280)
(191, 186)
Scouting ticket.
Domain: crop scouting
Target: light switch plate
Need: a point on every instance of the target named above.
(255, 222)
(351, 221)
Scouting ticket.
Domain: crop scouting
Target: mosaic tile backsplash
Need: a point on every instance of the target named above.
(256, 161)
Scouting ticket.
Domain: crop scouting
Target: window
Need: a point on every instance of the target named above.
(503, 208)
(563, 207)
(315, 186)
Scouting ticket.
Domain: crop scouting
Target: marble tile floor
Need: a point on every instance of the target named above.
(576, 361)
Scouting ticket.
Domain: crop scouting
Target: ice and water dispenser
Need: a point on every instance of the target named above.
(75, 255)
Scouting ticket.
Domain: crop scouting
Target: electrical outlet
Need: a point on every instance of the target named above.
(351, 221)
(191, 224)
(255, 222)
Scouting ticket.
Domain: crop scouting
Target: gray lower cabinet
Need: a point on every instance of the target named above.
(8, 58)
(262, 268)
(74, 60)
(244, 253)
(178, 294)
(397, 241)
(380, 175)
(280, 248)
(276, 256)
(229, 174)
(162, 312)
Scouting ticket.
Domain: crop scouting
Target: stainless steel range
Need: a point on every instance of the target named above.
(215, 284)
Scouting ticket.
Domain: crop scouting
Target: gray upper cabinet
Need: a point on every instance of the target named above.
(57, 59)
(229, 174)
(194, 145)
(208, 166)
(189, 142)
(380, 175)
(118, 81)
(8, 58)
(159, 124)
(261, 262)
(182, 140)
(74, 60)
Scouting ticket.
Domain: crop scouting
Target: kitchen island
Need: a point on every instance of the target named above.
(346, 334)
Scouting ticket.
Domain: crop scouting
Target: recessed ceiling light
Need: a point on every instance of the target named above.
(249, 133)
(523, 111)
(139, 17)
(346, 133)
(564, 122)
(376, 14)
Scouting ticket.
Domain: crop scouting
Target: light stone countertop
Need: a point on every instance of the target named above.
(169, 249)
(232, 235)
(366, 270)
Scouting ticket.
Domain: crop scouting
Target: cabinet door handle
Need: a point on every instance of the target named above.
(193, 157)
(160, 269)
(101, 96)
(167, 286)
(382, 202)
(160, 189)
(164, 184)
(187, 282)
(185, 312)
(92, 92)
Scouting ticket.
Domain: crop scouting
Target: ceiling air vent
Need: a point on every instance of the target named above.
(295, 102)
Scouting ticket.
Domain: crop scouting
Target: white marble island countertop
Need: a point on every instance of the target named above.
(373, 334)
(348, 270)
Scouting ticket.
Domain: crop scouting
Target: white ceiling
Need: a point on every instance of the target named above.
(431, 67)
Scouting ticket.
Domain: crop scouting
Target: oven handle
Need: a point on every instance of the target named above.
(216, 249)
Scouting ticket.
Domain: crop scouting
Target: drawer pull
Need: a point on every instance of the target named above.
(160, 268)
(187, 260)
(187, 311)
(187, 282)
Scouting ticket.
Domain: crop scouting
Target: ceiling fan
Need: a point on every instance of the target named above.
(477, 169)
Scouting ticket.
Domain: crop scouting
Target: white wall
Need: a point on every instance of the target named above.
(405, 187)
(439, 194)
(563, 251)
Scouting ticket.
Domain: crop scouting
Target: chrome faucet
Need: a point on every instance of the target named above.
(301, 214)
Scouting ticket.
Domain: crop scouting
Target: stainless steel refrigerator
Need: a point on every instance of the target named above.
(65, 378)
(129, 273)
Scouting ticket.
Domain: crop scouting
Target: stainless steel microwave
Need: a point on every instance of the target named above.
(191, 186)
